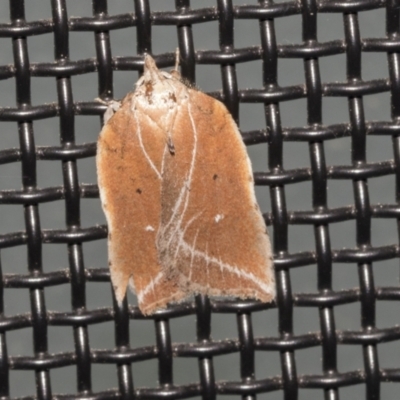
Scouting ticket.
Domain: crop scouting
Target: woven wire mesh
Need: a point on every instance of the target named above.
(283, 346)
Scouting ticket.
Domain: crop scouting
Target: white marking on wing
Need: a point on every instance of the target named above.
(185, 189)
(191, 169)
(218, 217)
(163, 160)
(139, 135)
(149, 228)
(149, 286)
(225, 266)
(192, 255)
(171, 235)
(181, 234)
(171, 229)
(207, 264)
(175, 210)
(220, 268)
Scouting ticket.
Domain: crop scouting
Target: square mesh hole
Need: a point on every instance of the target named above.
(145, 374)
(49, 174)
(20, 342)
(305, 320)
(290, 72)
(11, 219)
(14, 260)
(348, 317)
(343, 235)
(267, 364)
(38, 47)
(344, 276)
(183, 330)
(335, 110)
(330, 27)
(265, 323)
(99, 295)
(92, 213)
(7, 89)
(205, 36)
(350, 358)
(58, 298)
(352, 392)
(293, 113)
(87, 129)
(165, 40)
(227, 367)
(384, 232)
(61, 340)
(224, 326)
(208, 78)
(388, 353)
(82, 47)
(378, 106)
(84, 87)
(55, 257)
(95, 254)
(382, 191)
(141, 333)
(102, 335)
(44, 91)
(27, 389)
(63, 380)
(298, 197)
(251, 117)
(386, 273)
(301, 238)
(104, 377)
(308, 361)
(47, 132)
(304, 279)
(186, 371)
(52, 215)
(387, 315)
(333, 69)
(120, 7)
(246, 33)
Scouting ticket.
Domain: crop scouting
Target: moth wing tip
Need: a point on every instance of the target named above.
(120, 293)
(119, 283)
(149, 308)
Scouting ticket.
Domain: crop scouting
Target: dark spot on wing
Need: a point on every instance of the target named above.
(139, 191)
(215, 177)
(171, 146)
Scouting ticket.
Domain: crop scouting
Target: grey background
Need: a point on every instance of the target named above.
(298, 196)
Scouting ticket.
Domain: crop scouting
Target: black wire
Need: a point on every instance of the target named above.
(320, 215)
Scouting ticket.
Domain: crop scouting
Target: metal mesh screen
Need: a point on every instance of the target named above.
(277, 362)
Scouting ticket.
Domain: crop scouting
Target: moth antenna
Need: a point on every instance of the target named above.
(177, 57)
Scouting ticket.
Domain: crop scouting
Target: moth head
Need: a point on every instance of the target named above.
(158, 88)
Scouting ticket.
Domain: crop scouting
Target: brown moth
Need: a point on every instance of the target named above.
(177, 190)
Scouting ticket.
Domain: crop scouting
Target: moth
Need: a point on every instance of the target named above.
(176, 186)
